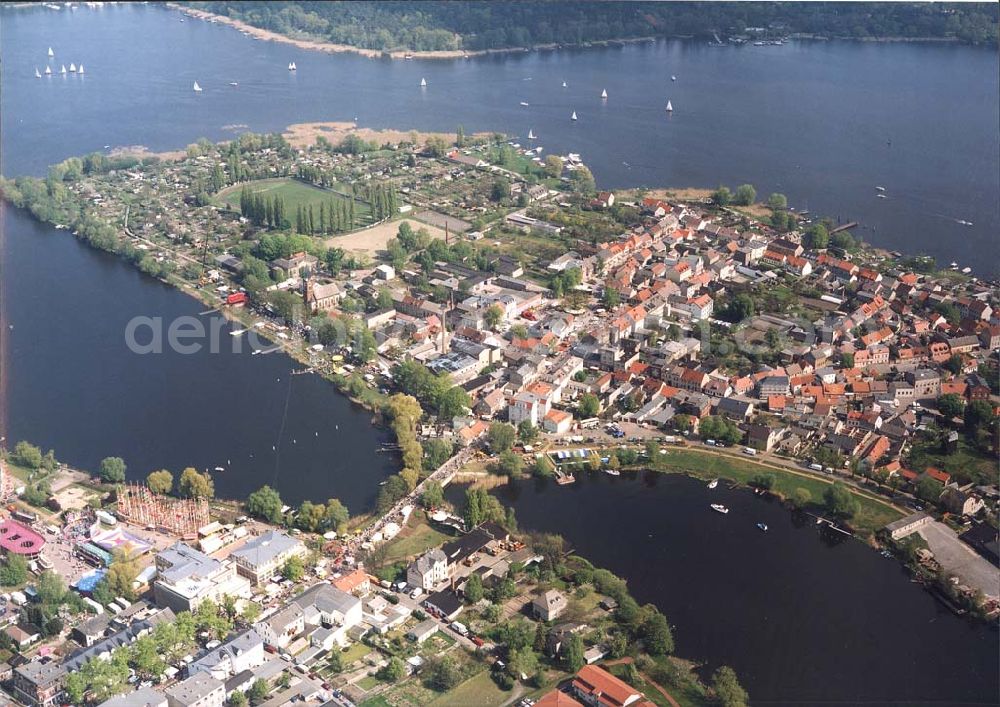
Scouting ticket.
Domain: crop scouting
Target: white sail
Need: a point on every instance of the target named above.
(531, 135)
(48, 70)
(573, 117)
(63, 69)
(38, 74)
(72, 68)
(423, 82)
(670, 107)
(564, 84)
(80, 70)
(673, 78)
(604, 93)
(51, 53)
(197, 87)
(291, 66)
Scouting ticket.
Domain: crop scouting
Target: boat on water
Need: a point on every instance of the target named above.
(762, 527)
(62, 69)
(881, 196)
(604, 93)
(220, 468)
(256, 351)
(238, 332)
(72, 68)
(48, 70)
(879, 188)
(564, 84)
(292, 66)
(234, 83)
(423, 82)
(963, 222)
(531, 135)
(51, 53)
(38, 74)
(670, 107)
(524, 103)
(80, 70)
(573, 117)
(719, 508)
(673, 78)
(612, 472)
(196, 87)
(966, 271)
(713, 483)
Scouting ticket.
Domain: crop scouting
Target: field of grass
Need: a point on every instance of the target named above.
(368, 682)
(416, 538)
(479, 690)
(295, 194)
(873, 516)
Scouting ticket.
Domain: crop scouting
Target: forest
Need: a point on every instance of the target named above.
(438, 25)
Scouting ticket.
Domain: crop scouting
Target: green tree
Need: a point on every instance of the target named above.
(27, 455)
(928, 488)
(572, 654)
(582, 180)
(590, 405)
(334, 661)
(745, 195)
(293, 569)
(193, 484)
(816, 238)
(777, 201)
(14, 571)
(474, 588)
(121, 574)
(433, 495)
(265, 503)
(501, 437)
(800, 497)
(553, 166)
(509, 464)
(727, 688)
(951, 405)
(160, 481)
(840, 501)
(237, 699)
(442, 673)
(611, 298)
(656, 634)
(527, 432)
(722, 196)
(954, 364)
(436, 452)
(393, 671)
(493, 316)
(258, 691)
(112, 470)
(452, 403)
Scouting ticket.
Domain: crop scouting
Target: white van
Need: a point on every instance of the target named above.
(750, 451)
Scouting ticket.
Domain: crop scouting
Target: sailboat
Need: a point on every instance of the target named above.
(291, 66)
(48, 70)
(72, 68)
(673, 78)
(670, 107)
(604, 94)
(573, 117)
(197, 88)
(80, 70)
(564, 84)
(51, 53)
(63, 69)
(38, 74)
(423, 82)
(531, 135)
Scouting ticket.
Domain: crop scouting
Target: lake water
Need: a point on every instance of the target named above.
(802, 617)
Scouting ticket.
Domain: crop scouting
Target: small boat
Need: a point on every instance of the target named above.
(670, 107)
(573, 117)
(879, 188)
(62, 69)
(564, 84)
(234, 83)
(80, 70)
(762, 526)
(713, 483)
(881, 196)
(524, 103)
(719, 508)
(38, 74)
(966, 271)
(255, 352)
(291, 66)
(604, 93)
(963, 222)
(673, 78)
(531, 135)
(51, 53)
(48, 70)
(196, 87)
(72, 68)
(423, 82)
(220, 468)
(238, 332)
(612, 472)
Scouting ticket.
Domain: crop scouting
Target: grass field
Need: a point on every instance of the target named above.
(295, 194)
(873, 516)
(479, 690)
(416, 538)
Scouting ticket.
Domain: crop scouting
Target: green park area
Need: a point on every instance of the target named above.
(294, 193)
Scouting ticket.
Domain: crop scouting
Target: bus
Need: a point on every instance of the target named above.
(589, 423)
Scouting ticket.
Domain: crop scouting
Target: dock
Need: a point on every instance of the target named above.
(846, 227)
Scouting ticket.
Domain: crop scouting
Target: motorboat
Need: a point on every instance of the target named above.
(719, 508)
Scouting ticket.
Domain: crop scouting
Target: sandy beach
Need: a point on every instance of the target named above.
(305, 134)
(371, 241)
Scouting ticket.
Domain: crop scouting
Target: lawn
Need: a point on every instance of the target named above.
(356, 652)
(873, 516)
(295, 194)
(416, 538)
(369, 682)
(479, 690)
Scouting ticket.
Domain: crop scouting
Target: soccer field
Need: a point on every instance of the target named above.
(295, 194)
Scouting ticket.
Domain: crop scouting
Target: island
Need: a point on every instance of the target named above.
(504, 318)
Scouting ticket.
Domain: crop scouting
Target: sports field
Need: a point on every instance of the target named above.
(295, 194)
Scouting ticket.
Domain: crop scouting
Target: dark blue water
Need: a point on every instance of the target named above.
(804, 618)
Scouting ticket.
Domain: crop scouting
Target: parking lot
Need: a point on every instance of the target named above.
(959, 559)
